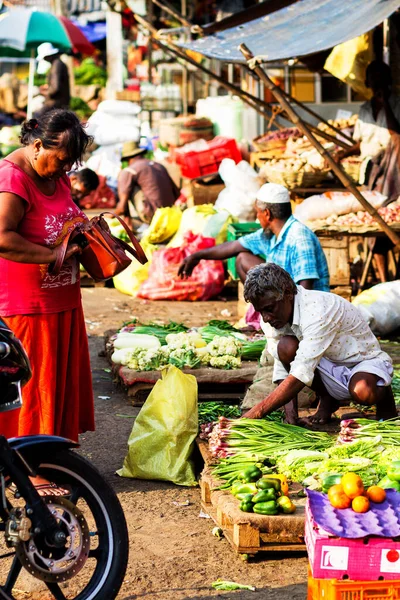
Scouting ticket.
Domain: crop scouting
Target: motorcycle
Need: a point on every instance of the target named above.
(81, 535)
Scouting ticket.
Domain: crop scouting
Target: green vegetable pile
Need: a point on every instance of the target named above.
(88, 73)
(250, 349)
(211, 411)
(80, 108)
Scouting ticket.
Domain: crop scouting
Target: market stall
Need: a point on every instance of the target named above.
(222, 358)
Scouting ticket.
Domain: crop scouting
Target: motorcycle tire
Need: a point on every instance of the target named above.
(105, 517)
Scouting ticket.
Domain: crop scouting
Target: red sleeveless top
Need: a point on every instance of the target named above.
(28, 288)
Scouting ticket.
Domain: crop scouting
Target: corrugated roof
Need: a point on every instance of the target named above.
(302, 28)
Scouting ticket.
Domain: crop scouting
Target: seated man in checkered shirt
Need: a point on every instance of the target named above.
(282, 240)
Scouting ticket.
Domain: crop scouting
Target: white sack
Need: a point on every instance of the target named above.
(380, 307)
(241, 187)
(325, 205)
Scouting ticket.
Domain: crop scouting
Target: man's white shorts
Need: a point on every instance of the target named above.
(336, 378)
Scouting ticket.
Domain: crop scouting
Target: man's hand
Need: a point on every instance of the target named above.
(187, 265)
(256, 412)
(119, 209)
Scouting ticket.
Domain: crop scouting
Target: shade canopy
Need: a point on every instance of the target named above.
(305, 27)
(79, 41)
(24, 29)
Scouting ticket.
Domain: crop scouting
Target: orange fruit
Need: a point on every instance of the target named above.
(360, 504)
(352, 485)
(376, 494)
(335, 489)
(340, 500)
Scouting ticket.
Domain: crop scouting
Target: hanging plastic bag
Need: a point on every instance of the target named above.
(162, 438)
(129, 281)
(163, 282)
(164, 224)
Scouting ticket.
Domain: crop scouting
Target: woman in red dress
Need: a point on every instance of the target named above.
(45, 311)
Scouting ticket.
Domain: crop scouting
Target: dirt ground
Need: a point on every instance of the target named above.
(173, 555)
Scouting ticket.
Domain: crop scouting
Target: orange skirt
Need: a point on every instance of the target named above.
(58, 400)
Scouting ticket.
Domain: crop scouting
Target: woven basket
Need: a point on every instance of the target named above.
(293, 179)
(262, 146)
(352, 169)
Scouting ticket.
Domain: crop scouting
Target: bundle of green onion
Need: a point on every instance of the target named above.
(386, 432)
(266, 438)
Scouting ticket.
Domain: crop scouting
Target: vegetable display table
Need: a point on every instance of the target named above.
(214, 384)
(250, 533)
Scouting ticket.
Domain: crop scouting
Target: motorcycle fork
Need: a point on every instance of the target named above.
(37, 510)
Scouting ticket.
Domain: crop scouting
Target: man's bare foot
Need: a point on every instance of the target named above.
(291, 412)
(327, 406)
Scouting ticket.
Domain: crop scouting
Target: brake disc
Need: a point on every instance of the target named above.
(53, 564)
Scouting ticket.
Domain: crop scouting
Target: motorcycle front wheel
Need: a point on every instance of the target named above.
(93, 563)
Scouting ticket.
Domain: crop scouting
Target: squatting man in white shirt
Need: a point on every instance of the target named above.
(319, 340)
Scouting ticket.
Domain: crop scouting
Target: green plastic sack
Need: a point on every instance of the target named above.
(163, 435)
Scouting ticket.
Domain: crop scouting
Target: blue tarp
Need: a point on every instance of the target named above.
(93, 31)
(302, 28)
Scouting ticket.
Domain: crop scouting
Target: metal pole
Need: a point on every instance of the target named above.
(30, 83)
(337, 169)
(170, 10)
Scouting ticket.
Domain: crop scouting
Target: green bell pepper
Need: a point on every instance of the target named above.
(250, 474)
(386, 483)
(264, 496)
(246, 506)
(244, 488)
(266, 508)
(286, 505)
(265, 482)
(245, 496)
(394, 470)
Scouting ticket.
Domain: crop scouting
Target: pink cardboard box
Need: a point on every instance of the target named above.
(364, 559)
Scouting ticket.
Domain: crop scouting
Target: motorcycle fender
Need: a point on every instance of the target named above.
(34, 448)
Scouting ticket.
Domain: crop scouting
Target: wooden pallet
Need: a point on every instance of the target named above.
(249, 533)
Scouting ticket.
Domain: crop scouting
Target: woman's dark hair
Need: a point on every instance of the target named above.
(88, 178)
(57, 128)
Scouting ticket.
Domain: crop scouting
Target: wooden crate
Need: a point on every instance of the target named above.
(336, 250)
(249, 533)
(130, 95)
(205, 194)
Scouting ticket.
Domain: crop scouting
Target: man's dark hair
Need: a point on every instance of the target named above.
(88, 178)
(279, 211)
(268, 278)
(57, 128)
(380, 68)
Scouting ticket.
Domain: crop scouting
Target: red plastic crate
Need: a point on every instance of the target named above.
(334, 589)
(206, 162)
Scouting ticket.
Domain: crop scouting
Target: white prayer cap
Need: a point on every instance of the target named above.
(273, 193)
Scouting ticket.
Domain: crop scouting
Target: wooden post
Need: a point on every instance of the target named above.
(337, 169)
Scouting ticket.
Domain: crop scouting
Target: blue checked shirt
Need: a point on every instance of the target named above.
(296, 249)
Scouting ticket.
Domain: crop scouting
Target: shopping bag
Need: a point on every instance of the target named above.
(162, 438)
